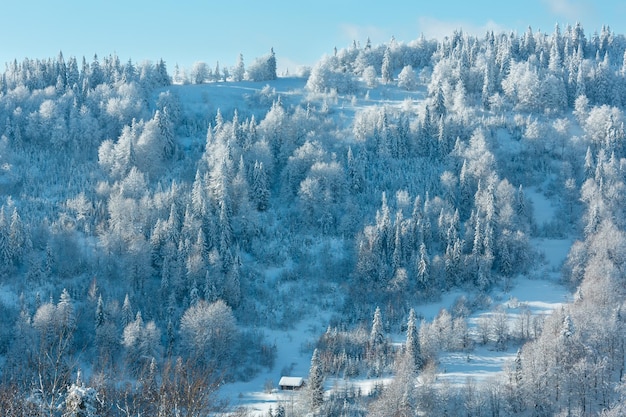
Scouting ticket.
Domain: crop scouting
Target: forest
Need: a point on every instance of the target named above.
(158, 226)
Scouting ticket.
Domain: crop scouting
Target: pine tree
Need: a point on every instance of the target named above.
(316, 382)
(356, 175)
(439, 105)
(386, 70)
(81, 401)
(239, 71)
(100, 315)
(377, 335)
(194, 295)
(217, 74)
(162, 77)
(171, 337)
(377, 344)
(18, 239)
(166, 132)
(581, 87)
(397, 256)
(6, 252)
(96, 76)
(65, 311)
(413, 349)
(589, 164)
(127, 312)
(423, 268)
(260, 189)
(271, 65)
(489, 79)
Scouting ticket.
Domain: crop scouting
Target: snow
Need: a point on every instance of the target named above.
(554, 251)
(479, 365)
(302, 274)
(245, 96)
(544, 211)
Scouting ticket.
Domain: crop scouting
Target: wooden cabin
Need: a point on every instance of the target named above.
(290, 383)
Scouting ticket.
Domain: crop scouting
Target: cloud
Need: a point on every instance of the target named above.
(438, 29)
(569, 9)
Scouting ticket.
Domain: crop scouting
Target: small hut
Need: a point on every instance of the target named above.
(290, 383)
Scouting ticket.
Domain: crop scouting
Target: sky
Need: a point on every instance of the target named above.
(187, 31)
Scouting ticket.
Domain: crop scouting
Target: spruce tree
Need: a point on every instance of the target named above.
(413, 349)
(386, 70)
(377, 335)
(127, 312)
(316, 382)
(100, 315)
(260, 189)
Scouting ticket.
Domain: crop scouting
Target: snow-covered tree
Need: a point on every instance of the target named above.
(82, 401)
(413, 348)
(407, 78)
(209, 332)
(239, 71)
(263, 68)
(315, 382)
(386, 68)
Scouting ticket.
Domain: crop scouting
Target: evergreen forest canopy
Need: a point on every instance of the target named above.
(153, 227)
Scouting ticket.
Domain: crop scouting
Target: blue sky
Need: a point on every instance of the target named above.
(184, 32)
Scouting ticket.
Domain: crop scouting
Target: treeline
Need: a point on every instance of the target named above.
(38, 74)
(535, 71)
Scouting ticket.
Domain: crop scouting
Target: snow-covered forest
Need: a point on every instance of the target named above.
(163, 229)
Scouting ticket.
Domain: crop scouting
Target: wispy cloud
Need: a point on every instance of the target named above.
(435, 28)
(572, 10)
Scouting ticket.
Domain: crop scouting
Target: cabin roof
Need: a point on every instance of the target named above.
(291, 381)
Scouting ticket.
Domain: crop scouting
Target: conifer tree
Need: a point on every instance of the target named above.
(100, 316)
(377, 334)
(239, 71)
(18, 238)
(423, 268)
(260, 189)
(386, 70)
(127, 312)
(413, 349)
(6, 252)
(316, 382)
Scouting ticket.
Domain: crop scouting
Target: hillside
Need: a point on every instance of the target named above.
(421, 228)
